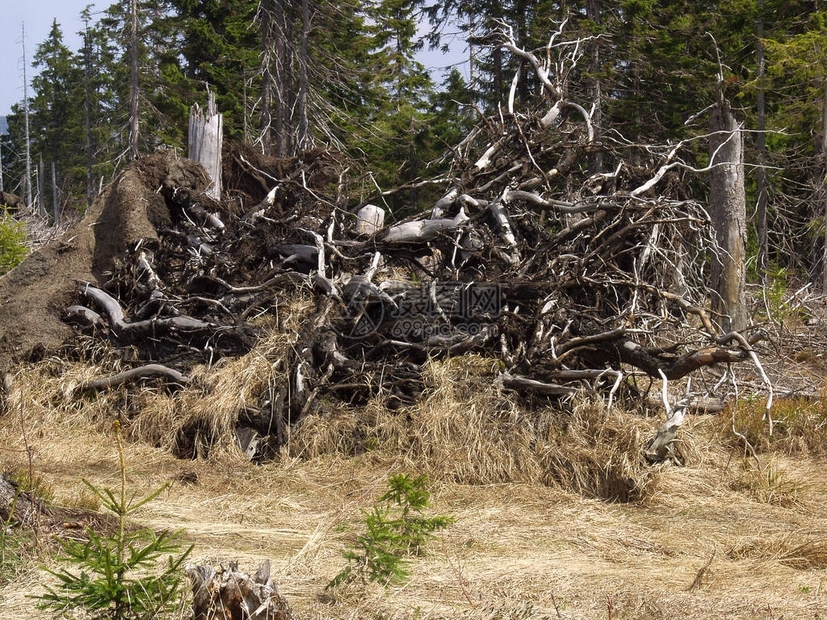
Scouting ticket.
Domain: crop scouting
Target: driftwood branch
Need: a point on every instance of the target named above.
(130, 332)
(170, 375)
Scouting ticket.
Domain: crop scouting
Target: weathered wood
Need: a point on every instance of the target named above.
(513, 382)
(229, 594)
(369, 220)
(130, 332)
(204, 142)
(83, 317)
(660, 447)
(423, 230)
(134, 374)
(728, 210)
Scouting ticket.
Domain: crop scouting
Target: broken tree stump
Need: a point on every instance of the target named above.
(230, 594)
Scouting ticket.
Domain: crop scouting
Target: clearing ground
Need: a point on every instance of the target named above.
(717, 538)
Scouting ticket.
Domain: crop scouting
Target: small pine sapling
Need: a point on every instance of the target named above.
(395, 529)
(122, 576)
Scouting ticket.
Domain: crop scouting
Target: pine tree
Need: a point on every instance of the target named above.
(55, 121)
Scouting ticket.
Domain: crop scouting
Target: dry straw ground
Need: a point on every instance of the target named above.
(556, 514)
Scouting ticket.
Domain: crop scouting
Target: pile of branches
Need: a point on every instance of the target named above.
(570, 278)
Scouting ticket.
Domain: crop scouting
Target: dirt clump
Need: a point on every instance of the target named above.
(131, 210)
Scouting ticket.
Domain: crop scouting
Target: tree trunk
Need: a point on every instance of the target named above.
(205, 136)
(267, 80)
(303, 138)
(727, 208)
(41, 191)
(761, 146)
(823, 188)
(230, 593)
(282, 72)
(595, 87)
(133, 84)
(28, 193)
(87, 115)
(55, 195)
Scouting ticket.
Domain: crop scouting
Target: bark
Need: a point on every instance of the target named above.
(727, 206)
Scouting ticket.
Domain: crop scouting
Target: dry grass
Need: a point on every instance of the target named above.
(465, 431)
(535, 536)
(769, 482)
(799, 425)
(798, 550)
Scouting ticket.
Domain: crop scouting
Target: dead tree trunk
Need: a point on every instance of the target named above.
(761, 146)
(727, 209)
(204, 143)
(133, 82)
(824, 158)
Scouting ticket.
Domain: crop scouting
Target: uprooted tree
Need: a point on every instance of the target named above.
(571, 279)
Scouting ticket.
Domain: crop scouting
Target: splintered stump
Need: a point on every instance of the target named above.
(229, 594)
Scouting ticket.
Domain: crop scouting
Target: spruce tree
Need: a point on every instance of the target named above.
(55, 119)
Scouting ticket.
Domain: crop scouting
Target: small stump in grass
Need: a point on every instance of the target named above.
(229, 594)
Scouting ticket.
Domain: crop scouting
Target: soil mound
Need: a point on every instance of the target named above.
(131, 210)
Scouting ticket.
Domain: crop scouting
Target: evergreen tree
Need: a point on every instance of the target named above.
(219, 47)
(797, 123)
(54, 116)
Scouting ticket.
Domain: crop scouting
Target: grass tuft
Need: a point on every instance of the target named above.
(464, 430)
(768, 483)
(795, 550)
(799, 426)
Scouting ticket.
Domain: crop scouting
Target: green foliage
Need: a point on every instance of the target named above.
(123, 575)
(395, 529)
(12, 243)
(16, 548)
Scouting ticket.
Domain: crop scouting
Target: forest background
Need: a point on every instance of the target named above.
(295, 75)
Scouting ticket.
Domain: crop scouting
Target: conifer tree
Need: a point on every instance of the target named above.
(54, 114)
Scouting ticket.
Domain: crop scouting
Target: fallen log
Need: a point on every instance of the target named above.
(423, 230)
(19, 507)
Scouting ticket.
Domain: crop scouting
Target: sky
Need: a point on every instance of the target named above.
(37, 17)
